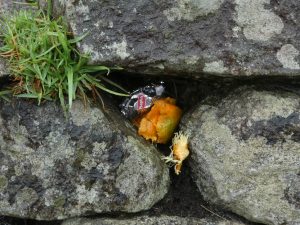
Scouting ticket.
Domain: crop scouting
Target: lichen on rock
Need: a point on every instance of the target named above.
(287, 57)
(187, 38)
(245, 153)
(215, 67)
(54, 167)
(191, 9)
(258, 23)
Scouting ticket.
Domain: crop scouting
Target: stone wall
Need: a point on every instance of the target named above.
(243, 139)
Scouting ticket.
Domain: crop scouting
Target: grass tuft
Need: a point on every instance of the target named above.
(45, 63)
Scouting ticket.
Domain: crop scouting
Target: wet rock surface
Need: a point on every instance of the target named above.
(93, 162)
(189, 38)
(245, 153)
(145, 220)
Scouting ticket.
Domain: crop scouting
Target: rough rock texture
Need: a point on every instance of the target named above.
(8, 6)
(190, 37)
(145, 220)
(53, 168)
(245, 153)
(3, 68)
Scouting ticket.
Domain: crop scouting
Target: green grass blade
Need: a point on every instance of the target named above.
(92, 69)
(62, 99)
(28, 95)
(110, 91)
(4, 94)
(70, 86)
(112, 83)
(45, 61)
(78, 39)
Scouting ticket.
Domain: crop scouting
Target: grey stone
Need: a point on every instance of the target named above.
(245, 153)
(8, 6)
(93, 162)
(189, 38)
(157, 220)
(3, 68)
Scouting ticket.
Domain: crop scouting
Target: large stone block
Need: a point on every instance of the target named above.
(93, 162)
(245, 153)
(190, 37)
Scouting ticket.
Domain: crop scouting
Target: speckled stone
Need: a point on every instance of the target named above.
(53, 167)
(245, 153)
(8, 6)
(3, 68)
(190, 38)
(156, 220)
